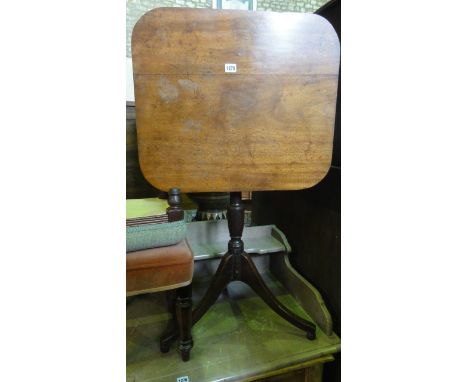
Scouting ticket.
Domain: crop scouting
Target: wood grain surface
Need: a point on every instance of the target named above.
(269, 126)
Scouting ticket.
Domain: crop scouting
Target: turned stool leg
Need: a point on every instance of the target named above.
(166, 338)
(184, 320)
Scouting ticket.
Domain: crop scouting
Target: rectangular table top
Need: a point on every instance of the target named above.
(234, 100)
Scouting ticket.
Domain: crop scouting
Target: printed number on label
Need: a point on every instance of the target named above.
(183, 379)
(230, 68)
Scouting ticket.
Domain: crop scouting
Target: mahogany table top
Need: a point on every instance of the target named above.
(234, 100)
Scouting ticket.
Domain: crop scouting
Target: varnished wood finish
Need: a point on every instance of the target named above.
(269, 126)
(237, 265)
(241, 267)
(235, 215)
(184, 320)
(175, 211)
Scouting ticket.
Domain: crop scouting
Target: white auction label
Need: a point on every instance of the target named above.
(230, 68)
(183, 379)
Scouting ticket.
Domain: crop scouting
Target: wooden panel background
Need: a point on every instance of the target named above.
(269, 126)
(136, 185)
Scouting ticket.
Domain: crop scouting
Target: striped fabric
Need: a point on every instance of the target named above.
(147, 220)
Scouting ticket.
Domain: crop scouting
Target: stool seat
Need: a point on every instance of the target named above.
(159, 269)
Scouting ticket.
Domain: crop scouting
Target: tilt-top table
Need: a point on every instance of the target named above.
(228, 101)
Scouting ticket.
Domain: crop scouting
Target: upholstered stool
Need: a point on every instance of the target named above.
(159, 269)
(159, 259)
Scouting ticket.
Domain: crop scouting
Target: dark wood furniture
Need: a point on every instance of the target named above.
(166, 268)
(204, 128)
(136, 185)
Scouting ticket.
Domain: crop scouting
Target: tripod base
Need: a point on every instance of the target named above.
(239, 267)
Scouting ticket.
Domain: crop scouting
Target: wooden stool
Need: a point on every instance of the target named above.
(164, 268)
